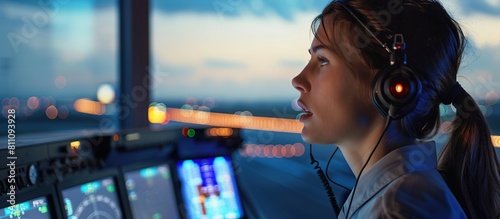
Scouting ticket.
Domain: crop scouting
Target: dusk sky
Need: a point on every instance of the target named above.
(227, 50)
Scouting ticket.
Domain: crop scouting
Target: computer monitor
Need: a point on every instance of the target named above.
(209, 188)
(36, 201)
(35, 208)
(151, 192)
(94, 199)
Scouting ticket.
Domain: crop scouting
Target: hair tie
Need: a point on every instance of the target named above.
(451, 96)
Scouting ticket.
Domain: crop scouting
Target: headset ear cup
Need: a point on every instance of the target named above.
(377, 95)
(384, 94)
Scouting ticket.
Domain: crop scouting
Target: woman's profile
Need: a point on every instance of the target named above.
(378, 72)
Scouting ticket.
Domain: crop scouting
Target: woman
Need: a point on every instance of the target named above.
(382, 117)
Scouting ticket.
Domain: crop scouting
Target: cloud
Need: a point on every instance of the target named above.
(482, 30)
(482, 6)
(287, 9)
(174, 70)
(261, 8)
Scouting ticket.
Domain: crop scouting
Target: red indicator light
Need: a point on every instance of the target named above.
(399, 88)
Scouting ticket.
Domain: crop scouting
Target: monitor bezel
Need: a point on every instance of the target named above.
(178, 183)
(85, 177)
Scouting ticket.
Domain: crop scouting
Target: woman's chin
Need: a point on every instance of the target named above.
(314, 137)
(308, 137)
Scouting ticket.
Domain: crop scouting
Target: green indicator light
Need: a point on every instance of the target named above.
(191, 133)
(17, 213)
(157, 216)
(43, 209)
(110, 188)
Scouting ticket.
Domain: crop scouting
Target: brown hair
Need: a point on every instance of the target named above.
(435, 44)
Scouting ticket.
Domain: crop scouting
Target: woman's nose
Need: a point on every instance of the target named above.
(300, 83)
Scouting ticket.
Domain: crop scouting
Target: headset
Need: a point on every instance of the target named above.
(395, 88)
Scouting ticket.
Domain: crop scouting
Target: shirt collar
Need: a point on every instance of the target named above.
(407, 159)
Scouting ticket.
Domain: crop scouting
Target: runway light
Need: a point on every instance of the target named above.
(242, 152)
(220, 132)
(133, 136)
(267, 151)
(283, 151)
(157, 114)
(191, 101)
(63, 112)
(106, 93)
(496, 140)
(209, 102)
(272, 151)
(292, 151)
(299, 149)
(191, 133)
(202, 117)
(187, 115)
(249, 150)
(74, 145)
(116, 137)
(33, 103)
(275, 151)
(258, 150)
(14, 103)
(188, 132)
(491, 97)
(445, 127)
(89, 106)
(288, 151)
(186, 110)
(51, 112)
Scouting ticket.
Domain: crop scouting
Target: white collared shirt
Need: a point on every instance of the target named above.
(404, 184)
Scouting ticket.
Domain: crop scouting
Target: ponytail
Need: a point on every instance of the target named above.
(469, 164)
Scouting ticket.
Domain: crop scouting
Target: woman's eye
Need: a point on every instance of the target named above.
(322, 61)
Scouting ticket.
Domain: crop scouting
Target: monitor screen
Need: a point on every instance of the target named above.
(35, 208)
(209, 188)
(151, 193)
(96, 199)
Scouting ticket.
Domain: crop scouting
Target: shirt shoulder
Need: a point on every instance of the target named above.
(421, 194)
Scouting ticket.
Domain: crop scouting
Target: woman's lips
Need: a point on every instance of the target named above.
(306, 114)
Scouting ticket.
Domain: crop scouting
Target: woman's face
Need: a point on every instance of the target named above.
(336, 102)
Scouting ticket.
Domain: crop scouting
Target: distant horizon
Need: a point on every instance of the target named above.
(249, 53)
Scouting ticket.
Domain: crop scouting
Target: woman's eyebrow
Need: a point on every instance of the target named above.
(316, 48)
